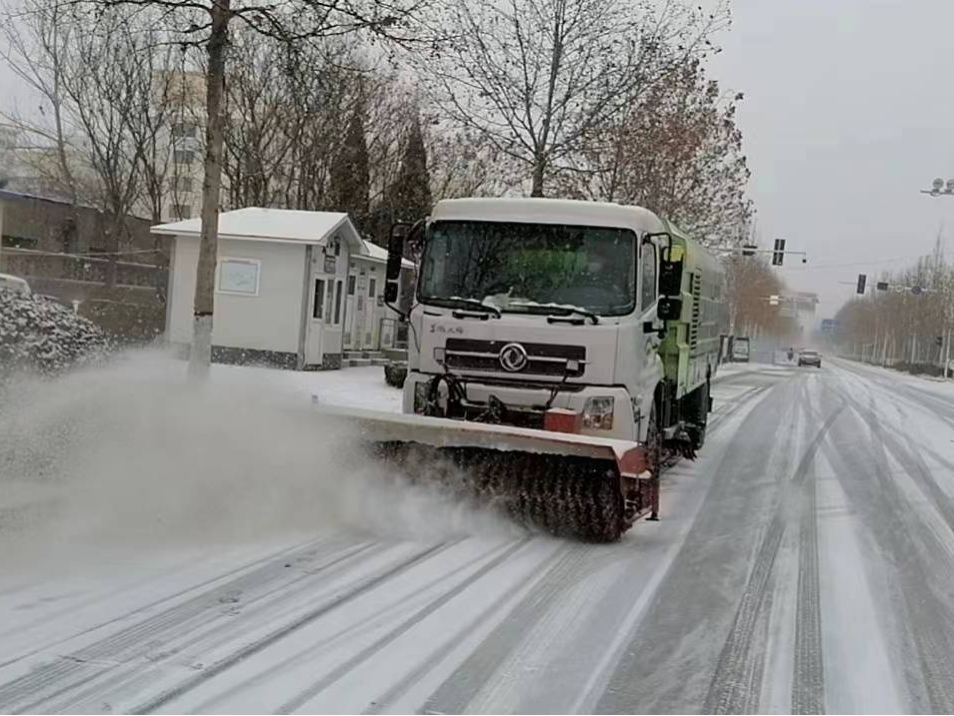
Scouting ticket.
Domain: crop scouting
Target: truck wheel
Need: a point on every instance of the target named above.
(654, 457)
(394, 375)
(697, 413)
(654, 444)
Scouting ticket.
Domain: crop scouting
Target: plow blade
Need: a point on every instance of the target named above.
(569, 484)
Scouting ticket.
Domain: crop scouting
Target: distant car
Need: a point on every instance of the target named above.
(809, 358)
(740, 350)
(14, 283)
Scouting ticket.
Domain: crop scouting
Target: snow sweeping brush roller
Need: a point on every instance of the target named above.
(567, 484)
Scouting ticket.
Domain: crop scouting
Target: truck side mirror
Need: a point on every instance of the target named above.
(670, 278)
(669, 308)
(396, 240)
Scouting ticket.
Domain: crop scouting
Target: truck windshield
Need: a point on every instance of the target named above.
(530, 268)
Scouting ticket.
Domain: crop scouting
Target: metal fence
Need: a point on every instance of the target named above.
(28, 263)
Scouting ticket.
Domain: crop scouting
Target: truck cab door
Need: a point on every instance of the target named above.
(651, 371)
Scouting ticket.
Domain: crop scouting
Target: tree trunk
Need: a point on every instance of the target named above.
(539, 167)
(200, 357)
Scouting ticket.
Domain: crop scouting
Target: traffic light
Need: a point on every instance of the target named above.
(862, 279)
(882, 285)
(749, 249)
(778, 253)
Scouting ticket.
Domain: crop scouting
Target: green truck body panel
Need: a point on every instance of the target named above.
(691, 348)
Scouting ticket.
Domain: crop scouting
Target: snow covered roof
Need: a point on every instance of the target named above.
(377, 254)
(283, 225)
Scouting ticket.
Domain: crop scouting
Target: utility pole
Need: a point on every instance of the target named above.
(939, 187)
(947, 351)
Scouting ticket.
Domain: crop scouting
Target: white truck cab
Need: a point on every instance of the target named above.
(528, 305)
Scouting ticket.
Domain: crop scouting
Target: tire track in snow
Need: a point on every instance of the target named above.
(308, 617)
(303, 697)
(909, 457)
(243, 570)
(808, 678)
(665, 660)
(732, 688)
(329, 642)
(412, 679)
(808, 673)
(235, 611)
(56, 680)
(936, 406)
(927, 544)
(925, 619)
(547, 581)
(477, 670)
(720, 418)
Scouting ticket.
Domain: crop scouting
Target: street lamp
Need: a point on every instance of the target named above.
(940, 188)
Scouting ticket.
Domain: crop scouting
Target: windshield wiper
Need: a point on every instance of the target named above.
(560, 308)
(461, 302)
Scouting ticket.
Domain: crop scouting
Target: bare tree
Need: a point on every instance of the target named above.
(462, 164)
(95, 74)
(536, 78)
(677, 151)
(207, 24)
(326, 81)
(35, 49)
(750, 282)
(908, 322)
(261, 131)
(108, 88)
(155, 115)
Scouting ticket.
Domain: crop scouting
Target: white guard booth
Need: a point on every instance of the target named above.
(371, 326)
(280, 286)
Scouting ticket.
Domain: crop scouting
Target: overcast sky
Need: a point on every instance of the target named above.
(848, 112)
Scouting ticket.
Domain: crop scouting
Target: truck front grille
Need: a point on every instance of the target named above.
(543, 358)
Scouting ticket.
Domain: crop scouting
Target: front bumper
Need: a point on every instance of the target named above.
(526, 403)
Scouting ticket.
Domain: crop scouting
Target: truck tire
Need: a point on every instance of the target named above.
(395, 374)
(654, 445)
(697, 414)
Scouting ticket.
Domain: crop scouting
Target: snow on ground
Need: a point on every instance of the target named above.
(500, 620)
(359, 387)
(926, 382)
(726, 370)
(224, 549)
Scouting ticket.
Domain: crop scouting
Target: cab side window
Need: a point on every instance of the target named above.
(648, 275)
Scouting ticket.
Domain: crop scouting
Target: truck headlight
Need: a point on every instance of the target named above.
(420, 396)
(598, 412)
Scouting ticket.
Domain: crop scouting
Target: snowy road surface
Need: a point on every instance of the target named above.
(804, 563)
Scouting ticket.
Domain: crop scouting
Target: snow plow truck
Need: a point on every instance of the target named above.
(557, 350)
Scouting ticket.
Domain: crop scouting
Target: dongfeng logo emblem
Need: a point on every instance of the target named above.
(513, 357)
